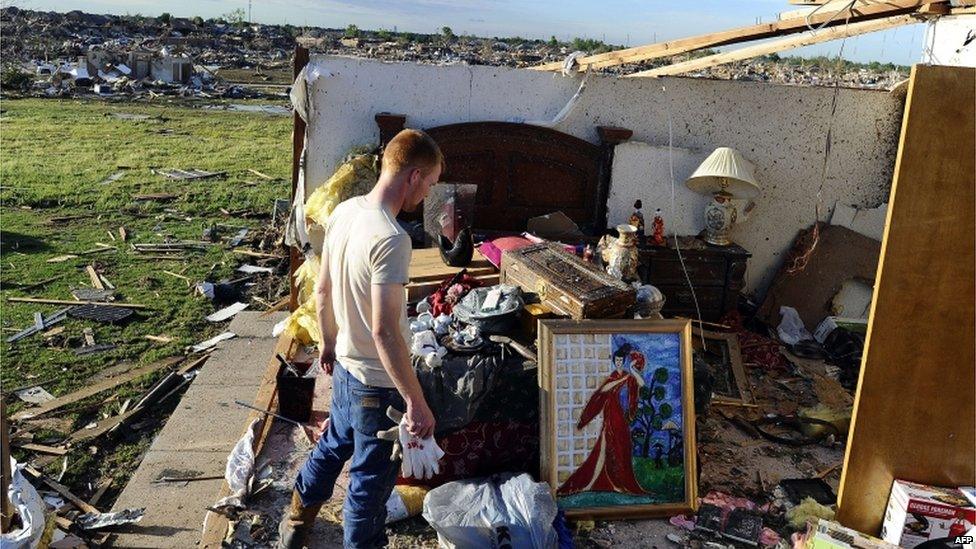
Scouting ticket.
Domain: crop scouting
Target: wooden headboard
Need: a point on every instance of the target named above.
(523, 171)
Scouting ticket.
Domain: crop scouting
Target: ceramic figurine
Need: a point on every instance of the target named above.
(620, 254)
(637, 220)
(657, 226)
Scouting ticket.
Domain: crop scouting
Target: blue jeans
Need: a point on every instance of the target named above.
(358, 411)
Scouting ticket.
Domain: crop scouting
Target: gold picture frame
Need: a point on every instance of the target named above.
(733, 367)
(616, 390)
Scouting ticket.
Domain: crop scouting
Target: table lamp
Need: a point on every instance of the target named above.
(724, 175)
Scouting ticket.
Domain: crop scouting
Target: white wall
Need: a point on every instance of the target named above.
(945, 41)
(781, 129)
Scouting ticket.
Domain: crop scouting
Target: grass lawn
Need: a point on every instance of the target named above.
(54, 157)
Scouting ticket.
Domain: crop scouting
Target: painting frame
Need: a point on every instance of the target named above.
(736, 367)
(548, 331)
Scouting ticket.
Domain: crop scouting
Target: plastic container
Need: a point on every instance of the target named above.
(295, 394)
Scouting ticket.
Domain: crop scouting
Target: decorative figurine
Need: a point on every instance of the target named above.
(657, 226)
(637, 220)
(620, 254)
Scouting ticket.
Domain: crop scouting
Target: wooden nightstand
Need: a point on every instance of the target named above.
(717, 273)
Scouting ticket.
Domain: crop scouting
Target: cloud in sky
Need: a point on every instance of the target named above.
(623, 22)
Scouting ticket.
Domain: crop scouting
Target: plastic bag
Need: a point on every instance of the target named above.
(29, 506)
(355, 177)
(498, 511)
(791, 329)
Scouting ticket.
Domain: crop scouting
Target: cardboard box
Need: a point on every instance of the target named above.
(918, 513)
(825, 534)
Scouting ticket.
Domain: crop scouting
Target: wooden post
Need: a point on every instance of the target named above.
(6, 509)
(610, 137)
(297, 144)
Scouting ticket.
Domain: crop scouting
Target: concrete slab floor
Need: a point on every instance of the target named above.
(196, 441)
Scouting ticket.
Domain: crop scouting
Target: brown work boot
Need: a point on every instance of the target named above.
(297, 523)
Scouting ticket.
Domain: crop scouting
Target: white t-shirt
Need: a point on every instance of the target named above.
(364, 246)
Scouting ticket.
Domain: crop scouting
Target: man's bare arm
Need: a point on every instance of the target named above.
(387, 305)
(325, 314)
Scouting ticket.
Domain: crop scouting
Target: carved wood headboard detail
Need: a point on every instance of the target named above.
(523, 171)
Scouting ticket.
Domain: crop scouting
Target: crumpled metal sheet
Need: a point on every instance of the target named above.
(96, 521)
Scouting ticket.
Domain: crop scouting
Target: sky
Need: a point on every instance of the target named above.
(622, 22)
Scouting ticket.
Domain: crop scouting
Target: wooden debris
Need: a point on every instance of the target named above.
(261, 175)
(105, 281)
(61, 258)
(189, 174)
(41, 448)
(98, 250)
(182, 277)
(159, 339)
(94, 389)
(93, 275)
(62, 219)
(161, 257)
(737, 35)
(154, 197)
(193, 365)
(53, 332)
(831, 469)
(257, 254)
(281, 304)
(61, 489)
(89, 336)
(111, 235)
(766, 48)
(100, 491)
(66, 302)
(123, 234)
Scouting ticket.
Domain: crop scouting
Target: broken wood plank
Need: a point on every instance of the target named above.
(154, 197)
(281, 304)
(261, 175)
(825, 35)
(159, 339)
(61, 489)
(257, 254)
(61, 258)
(105, 281)
(66, 302)
(738, 35)
(98, 250)
(41, 448)
(123, 234)
(193, 365)
(93, 275)
(176, 173)
(94, 389)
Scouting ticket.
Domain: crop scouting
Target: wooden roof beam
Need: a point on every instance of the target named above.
(775, 46)
(739, 35)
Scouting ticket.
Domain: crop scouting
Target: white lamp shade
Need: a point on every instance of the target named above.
(725, 170)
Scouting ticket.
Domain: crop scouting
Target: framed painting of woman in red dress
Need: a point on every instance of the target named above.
(617, 417)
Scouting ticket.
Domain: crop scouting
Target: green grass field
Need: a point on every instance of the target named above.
(54, 157)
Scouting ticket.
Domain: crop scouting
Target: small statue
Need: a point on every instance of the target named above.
(637, 220)
(620, 254)
(657, 226)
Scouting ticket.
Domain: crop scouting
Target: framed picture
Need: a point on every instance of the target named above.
(618, 416)
(722, 354)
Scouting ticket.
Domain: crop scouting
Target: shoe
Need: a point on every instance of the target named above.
(296, 524)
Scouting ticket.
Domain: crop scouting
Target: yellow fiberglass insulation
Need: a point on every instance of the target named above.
(306, 275)
(303, 324)
(355, 177)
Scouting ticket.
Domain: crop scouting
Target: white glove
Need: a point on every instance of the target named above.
(420, 455)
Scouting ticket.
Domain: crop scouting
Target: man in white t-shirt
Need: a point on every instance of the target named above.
(363, 316)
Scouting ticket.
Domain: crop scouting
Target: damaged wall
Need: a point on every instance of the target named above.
(781, 129)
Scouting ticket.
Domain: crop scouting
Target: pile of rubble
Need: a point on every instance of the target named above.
(49, 53)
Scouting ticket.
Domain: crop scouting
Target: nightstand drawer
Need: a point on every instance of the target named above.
(679, 296)
(664, 271)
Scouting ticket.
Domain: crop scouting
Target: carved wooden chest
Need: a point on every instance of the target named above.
(565, 283)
